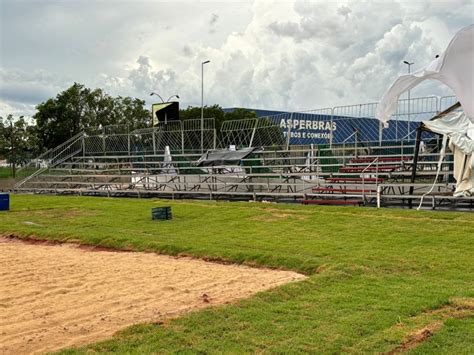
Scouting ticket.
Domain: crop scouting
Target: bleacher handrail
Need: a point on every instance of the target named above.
(53, 157)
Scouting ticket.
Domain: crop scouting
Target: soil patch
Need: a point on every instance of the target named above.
(459, 308)
(62, 295)
(7, 184)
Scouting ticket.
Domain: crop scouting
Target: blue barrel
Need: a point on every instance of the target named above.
(4, 202)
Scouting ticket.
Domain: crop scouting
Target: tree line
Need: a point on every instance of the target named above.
(79, 108)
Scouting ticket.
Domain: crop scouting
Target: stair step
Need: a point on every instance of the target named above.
(387, 168)
(359, 180)
(331, 189)
(382, 159)
(333, 202)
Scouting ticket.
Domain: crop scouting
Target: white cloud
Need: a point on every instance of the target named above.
(16, 109)
(282, 55)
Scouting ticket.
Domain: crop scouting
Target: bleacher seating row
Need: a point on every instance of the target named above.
(333, 176)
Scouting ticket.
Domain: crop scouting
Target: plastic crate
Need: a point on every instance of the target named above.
(161, 213)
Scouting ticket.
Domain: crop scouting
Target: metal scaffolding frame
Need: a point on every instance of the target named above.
(114, 160)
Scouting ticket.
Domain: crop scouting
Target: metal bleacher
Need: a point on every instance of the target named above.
(337, 175)
(113, 161)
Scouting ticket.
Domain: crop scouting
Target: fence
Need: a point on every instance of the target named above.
(345, 124)
(255, 132)
(340, 125)
(179, 136)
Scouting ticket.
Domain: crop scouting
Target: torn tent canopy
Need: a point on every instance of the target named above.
(460, 131)
(223, 157)
(454, 68)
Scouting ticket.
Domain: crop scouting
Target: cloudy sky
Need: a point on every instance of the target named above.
(289, 55)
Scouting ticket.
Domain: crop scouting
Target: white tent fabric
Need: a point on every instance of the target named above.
(455, 68)
(461, 133)
(458, 127)
(168, 167)
(237, 170)
(311, 164)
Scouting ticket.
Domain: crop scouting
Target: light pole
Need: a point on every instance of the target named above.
(408, 125)
(202, 104)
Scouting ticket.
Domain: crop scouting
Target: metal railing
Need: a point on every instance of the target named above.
(52, 157)
(179, 136)
(334, 125)
(363, 175)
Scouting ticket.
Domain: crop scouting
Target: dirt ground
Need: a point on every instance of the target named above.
(56, 296)
(6, 184)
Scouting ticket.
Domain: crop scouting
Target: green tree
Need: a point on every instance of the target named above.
(17, 141)
(78, 108)
(216, 112)
(239, 114)
(132, 112)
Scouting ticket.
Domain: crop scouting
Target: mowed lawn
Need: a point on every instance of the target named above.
(380, 280)
(5, 172)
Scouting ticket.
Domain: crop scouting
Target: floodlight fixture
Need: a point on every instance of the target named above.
(169, 98)
(154, 93)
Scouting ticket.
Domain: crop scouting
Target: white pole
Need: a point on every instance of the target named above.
(202, 104)
(408, 128)
(202, 107)
(408, 122)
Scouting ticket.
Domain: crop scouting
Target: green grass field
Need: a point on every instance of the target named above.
(377, 277)
(5, 172)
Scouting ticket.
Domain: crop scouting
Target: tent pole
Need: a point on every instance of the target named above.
(419, 130)
(445, 112)
(417, 145)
